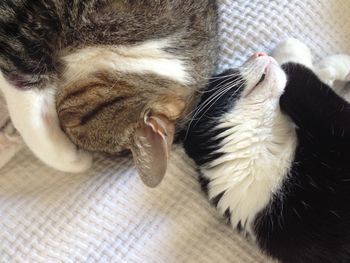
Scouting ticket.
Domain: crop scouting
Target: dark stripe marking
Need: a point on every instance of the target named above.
(88, 116)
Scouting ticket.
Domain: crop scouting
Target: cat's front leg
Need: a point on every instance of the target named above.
(33, 113)
(293, 50)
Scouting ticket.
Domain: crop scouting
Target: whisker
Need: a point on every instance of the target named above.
(217, 97)
(221, 91)
(212, 79)
(213, 96)
(204, 104)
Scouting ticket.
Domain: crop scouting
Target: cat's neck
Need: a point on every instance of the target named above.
(259, 144)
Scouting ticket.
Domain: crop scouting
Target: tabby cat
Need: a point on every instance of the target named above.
(104, 75)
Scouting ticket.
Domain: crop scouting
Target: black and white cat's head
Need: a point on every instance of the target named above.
(240, 140)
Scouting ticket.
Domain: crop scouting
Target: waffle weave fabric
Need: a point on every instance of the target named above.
(107, 215)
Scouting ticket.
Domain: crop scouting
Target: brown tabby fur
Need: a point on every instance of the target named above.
(101, 111)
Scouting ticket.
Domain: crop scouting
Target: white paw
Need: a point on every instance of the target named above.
(293, 50)
(44, 136)
(75, 162)
(347, 78)
(327, 75)
(334, 68)
(33, 114)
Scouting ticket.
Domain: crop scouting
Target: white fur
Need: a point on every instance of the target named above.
(293, 50)
(332, 68)
(259, 146)
(335, 71)
(33, 113)
(148, 57)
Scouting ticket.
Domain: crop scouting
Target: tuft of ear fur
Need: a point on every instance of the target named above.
(151, 148)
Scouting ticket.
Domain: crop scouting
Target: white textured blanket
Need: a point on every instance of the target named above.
(107, 215)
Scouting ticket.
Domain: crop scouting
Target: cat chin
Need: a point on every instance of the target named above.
(265, 79)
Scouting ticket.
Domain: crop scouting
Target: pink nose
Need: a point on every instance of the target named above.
(259, 54)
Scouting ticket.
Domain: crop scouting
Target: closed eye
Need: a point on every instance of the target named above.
(261, 79)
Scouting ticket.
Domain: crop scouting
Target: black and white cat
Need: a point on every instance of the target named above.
(272, 144)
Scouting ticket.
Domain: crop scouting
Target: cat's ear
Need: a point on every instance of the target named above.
(151, 148)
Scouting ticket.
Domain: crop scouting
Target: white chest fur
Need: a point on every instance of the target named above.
(258, 149)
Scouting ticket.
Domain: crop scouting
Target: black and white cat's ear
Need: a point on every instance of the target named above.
(151, 148)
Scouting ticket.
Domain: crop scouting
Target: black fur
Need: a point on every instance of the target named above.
(309, 220)
(199, 137)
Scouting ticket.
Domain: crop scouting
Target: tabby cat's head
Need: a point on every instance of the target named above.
(112, 112)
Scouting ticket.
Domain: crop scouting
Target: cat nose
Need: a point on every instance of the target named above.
(259, 54)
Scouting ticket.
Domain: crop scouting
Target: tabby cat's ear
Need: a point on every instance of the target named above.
(151, 148)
